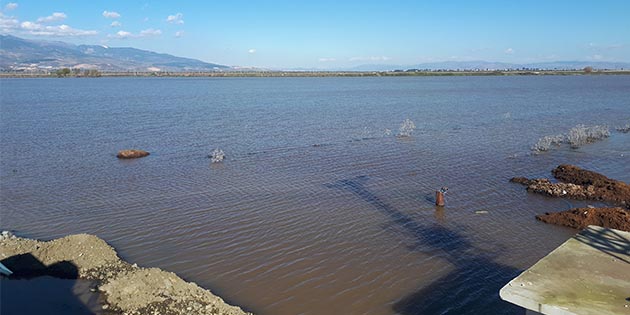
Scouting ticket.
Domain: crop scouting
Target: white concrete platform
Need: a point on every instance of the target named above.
(587, 275)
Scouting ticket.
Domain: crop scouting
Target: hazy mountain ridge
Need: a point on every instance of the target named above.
(23, 54)
(487, 65)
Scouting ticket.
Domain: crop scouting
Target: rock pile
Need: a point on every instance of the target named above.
(577, 183)
(5, 235)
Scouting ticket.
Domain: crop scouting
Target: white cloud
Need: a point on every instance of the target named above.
(175, 19)
(8, 23)
(116, 24)
(179, 34)
(251, 51)
(150, 32)
(33, 28)
(327, 59)
(370, 58)
(145, 33)
(111, 14)
(57, 16)
(121, 35)
(597, 57)
(11, 6)
(509, 51)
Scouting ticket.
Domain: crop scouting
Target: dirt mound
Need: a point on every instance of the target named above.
(579, 218)
(128, 289)
(580, 184)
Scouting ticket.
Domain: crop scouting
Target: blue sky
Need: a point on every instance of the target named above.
(333, 34)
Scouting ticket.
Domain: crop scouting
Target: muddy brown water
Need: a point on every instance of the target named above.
(318, 207)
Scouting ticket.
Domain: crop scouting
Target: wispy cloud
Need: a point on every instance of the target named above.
(327, 59)
(251, 51)
(179, 34)
(11, 6)
(599, 47)
(370, 58)
(115, 24)
(175, 19)
(33, 28)
(8, 23)
(143, 34)
(596, 57)
(150, 32)
(509, 51)
(55, 17)
(111, 14)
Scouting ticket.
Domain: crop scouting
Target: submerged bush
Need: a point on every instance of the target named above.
(406, 128)
(545, 143)
(217, 156)
(581, 135)
(624, 129)
(576, 137)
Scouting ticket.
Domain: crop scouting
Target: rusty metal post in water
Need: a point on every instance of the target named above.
(439, 196)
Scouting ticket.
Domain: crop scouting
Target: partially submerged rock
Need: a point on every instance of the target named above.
(604, 188)
(579, 218)
(577, 183)
(128, 289)
(131, 154)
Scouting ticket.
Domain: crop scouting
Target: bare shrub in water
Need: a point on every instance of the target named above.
(624, 129)
(581, 135)
(576, 137)
(217, 156)
(545, 143)
(406, 128)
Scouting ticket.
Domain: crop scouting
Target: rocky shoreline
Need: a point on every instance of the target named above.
(127, 289)
(580, 184)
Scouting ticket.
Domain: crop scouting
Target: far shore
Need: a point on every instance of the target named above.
(396, 73)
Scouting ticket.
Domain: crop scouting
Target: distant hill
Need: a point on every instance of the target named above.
(25, 54)
(486, 65)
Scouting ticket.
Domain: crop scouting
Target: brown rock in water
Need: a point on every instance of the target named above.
(577, 183)
(598, 185)
(520, 180)
(579, 218)
(131, 154)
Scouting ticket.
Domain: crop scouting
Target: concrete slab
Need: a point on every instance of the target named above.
(587, 275)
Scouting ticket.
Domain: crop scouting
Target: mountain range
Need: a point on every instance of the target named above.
(486, 65)
(18, 54)
(25, 54)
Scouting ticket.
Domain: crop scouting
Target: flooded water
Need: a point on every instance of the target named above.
(318, 207)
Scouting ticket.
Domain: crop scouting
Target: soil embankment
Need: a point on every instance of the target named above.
(128, 289)
(577, 183)
(579, 218)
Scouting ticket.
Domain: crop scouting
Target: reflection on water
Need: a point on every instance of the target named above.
(315, 210)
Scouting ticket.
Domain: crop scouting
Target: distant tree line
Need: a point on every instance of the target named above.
(67, 72)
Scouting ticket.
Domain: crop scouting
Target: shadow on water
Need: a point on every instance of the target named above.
(471, 288)
(35, 288)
